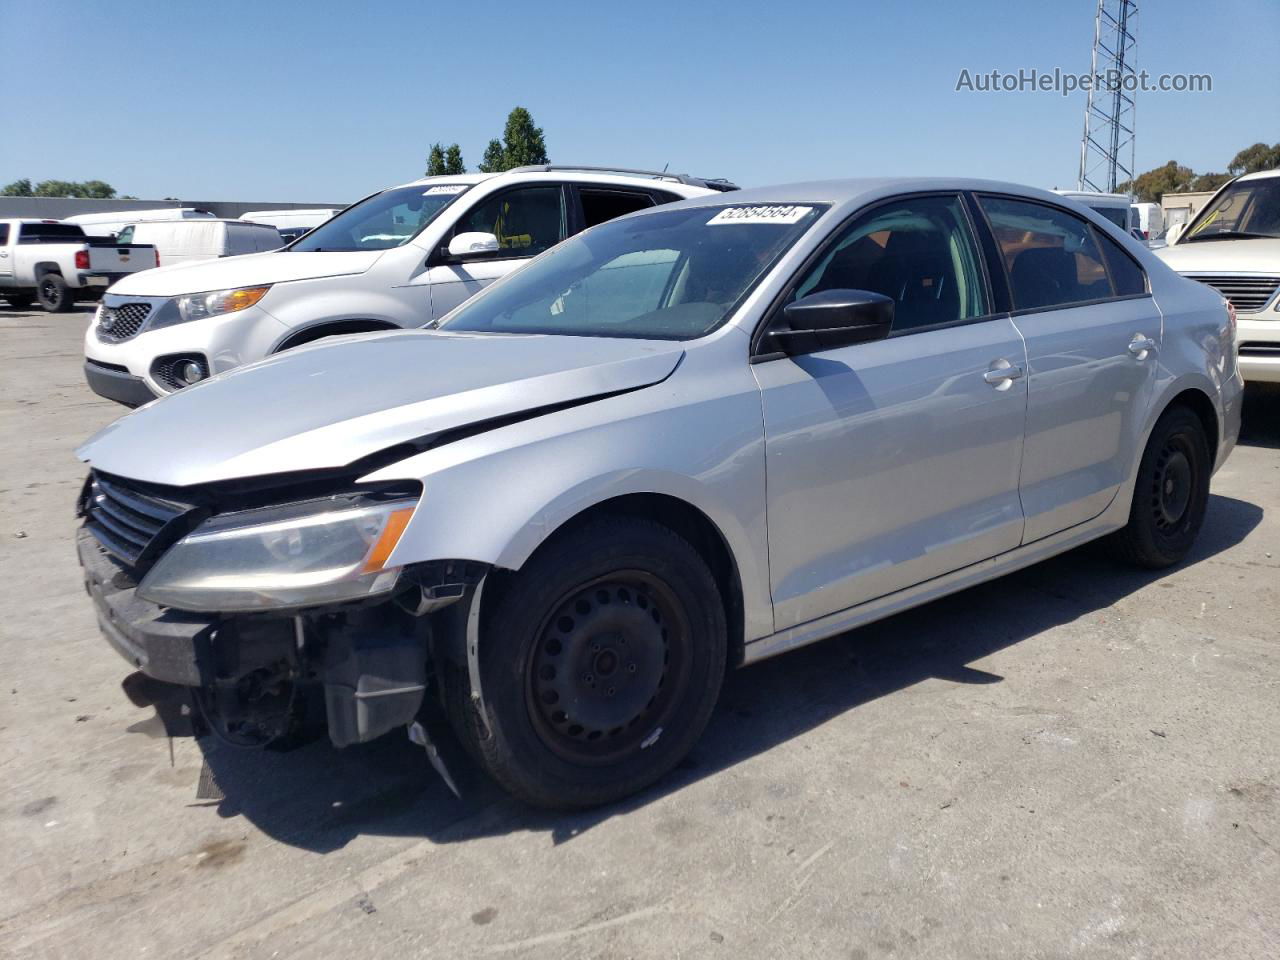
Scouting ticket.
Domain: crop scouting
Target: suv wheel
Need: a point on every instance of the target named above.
(54, 294)
(601, 662)
(1171, 494)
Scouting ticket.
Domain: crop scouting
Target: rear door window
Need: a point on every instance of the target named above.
(1050, 255)
(601, 205)
(4, 233)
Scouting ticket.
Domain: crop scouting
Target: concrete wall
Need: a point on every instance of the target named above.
(58, 208)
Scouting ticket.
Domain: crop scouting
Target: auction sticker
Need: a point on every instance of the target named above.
(764, 214)
(446, 188)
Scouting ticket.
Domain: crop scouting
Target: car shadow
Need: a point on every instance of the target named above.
(319, 798)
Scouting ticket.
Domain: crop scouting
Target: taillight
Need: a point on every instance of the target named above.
(82, 259)
(157, 253)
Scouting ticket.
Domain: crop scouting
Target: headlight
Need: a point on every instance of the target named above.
(198, 306)
(300, 555)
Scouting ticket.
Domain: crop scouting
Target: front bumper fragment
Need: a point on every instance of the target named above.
(118, 385)
(164, 644)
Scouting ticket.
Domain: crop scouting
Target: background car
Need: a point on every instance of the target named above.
(398, 258)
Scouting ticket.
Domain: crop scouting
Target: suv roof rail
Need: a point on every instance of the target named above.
(710, 184)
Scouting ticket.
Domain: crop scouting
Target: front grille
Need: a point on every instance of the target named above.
(123, 322)
(1255, 348)
(133, 526)
(1247, 294)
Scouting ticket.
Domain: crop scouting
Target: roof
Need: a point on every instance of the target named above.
(1261, 174)
(679, 182)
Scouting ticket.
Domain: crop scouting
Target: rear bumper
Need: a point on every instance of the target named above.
(118, 385)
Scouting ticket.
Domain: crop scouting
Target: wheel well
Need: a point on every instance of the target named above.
(1200, 404)
(43, 268)
(335, 329)
(703, 535)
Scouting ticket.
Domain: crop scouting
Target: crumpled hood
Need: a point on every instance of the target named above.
(249, 270)
(329, 404)
(1223, 256)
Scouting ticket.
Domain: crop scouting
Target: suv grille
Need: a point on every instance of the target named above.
(1247, 294)
(122, 322)
(133, 526)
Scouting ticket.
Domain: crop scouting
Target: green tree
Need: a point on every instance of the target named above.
(90, 189)
(494, 160)
(522, 141)
(1149, 187)
(453, 160)
(435, 161)
(1255, 158)
(19, 188)
(1209, 181)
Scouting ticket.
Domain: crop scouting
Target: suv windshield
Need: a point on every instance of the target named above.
(1246, 208)
(388, 219)
(670, 275)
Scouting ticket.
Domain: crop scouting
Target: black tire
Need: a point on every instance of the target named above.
(20, 301)
(600, 618)
(1171, 494)
(54, 294)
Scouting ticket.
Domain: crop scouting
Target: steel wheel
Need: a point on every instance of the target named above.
(609, 662)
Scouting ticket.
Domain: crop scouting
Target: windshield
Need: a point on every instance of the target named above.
(388, 219)
(671, 275)
(1246, 208)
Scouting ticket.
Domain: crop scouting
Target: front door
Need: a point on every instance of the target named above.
(1092, 334)
(893, 462)
(526, 221)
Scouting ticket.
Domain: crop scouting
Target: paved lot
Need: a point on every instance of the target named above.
(1076, 760)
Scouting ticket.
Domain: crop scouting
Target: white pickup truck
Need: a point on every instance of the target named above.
(55, 263)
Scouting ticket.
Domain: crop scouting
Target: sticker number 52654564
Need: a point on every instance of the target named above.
(773, 213)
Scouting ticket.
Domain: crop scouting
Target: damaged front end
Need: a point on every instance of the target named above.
(268, 603)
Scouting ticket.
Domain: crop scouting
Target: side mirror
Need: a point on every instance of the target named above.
(834, 318)
(471, 246)
(1173, 233)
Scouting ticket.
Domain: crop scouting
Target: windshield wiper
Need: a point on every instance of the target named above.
(1232, 235)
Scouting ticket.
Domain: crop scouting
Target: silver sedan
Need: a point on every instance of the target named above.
(693, 437)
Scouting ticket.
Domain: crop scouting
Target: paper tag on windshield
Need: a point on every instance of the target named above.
(766, 214)
(446, 188)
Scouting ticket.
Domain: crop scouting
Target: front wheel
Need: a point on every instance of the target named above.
(1171, 494)
(54, 294)
(601, 661)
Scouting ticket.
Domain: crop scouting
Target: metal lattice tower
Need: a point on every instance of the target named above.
(1107, 148)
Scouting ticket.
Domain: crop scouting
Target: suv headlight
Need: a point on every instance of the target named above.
(301, 555)
(198, 306)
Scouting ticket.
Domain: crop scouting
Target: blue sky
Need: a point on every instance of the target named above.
(329, 101)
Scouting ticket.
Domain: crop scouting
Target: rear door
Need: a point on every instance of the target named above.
(526, 220)
(893, 462)
(1093, 337)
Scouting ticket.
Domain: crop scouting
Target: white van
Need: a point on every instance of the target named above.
(1150, 220)
(110, 223)
(1114, 206)
(290, 219)
(185, 241)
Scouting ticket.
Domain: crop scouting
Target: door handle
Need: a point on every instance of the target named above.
(1002, 373)
(1141, 345)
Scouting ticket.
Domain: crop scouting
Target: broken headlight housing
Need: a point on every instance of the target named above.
(300, 555)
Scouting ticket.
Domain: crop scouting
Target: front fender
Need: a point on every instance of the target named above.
(495, 497)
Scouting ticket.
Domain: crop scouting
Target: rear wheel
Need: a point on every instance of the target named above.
(1171, 494)
(600, 665)
(54, 294)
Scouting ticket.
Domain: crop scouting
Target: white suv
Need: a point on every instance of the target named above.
(1233, 245)
(399, 258)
